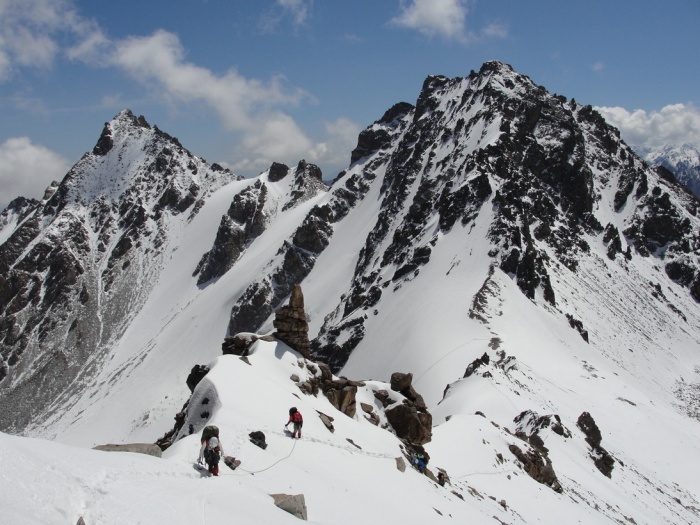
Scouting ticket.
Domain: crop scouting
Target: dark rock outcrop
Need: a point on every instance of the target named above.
(537, 465)
(604, 462)
(479, 361)
(410, 420)
(291, 325)
(196, 375)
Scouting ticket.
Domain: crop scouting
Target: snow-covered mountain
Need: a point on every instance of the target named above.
(681, 160)
(539, 281)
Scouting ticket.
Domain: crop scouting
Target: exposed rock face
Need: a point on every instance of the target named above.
(243, 223)
(240, 344)
(410, 419)
(68, 268)
(602, 459)
(538, 466)
(196, 375)
(341, 392)
(483, 360)
(541, 168)
(343, 399)
(410, 424)
(277, 171)
(529, 424)
(290, 322)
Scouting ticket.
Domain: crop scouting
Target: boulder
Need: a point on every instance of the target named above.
(258, 438)
(294, 504)
(327, 421)
(410, 424)
(139, 448)
(401, 381)
(401, 464)
(343, 399)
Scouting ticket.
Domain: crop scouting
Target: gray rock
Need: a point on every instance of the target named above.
(294, 504)
(401, 464)
(139, 448)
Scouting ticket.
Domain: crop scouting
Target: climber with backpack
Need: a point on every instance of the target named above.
(297, 420)
(211, 450)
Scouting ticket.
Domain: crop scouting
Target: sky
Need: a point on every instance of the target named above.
(247, 83)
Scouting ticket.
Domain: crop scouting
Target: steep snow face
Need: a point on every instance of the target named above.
(78, 266)
(534, 184)
(352, 473)
(499, 243)
(683, 161)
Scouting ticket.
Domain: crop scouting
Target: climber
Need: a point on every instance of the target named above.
(418, 460)
(441, 478)
(297, 420)
(211, 450)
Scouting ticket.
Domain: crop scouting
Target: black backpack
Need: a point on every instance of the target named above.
(209, 432)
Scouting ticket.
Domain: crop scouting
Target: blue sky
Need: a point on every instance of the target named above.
(245, 83)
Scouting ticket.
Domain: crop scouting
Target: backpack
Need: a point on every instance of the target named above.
(296, 417)
(209, 432)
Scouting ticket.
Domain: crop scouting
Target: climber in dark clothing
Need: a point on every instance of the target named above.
(211, 452)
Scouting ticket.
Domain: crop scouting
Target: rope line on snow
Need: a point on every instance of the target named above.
(253, 472)
(484, 473)
(447, 354)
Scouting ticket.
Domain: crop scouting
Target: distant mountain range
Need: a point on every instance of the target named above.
(501, 243)
(683, 161)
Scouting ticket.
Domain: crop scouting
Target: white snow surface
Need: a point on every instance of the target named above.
(638, 376)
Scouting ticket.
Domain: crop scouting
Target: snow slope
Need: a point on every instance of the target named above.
(345, 482)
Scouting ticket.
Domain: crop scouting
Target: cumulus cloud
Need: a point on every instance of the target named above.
(672, 124)
(334, 152)
(34, 32)
(278, 138)
(31, 32)
(27, 169)
(444, 18)
(249, 106)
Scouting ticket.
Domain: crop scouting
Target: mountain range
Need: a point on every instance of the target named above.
(538, 280)
(681, 160)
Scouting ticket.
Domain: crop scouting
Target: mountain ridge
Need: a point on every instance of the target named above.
(491, 226)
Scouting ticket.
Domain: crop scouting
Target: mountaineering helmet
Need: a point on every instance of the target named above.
(213, 442)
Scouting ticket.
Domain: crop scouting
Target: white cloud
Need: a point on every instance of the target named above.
(27, 169)
(495, 30)
(444, 18)
(30, 32)
(278, 138)
(598, 66)
(334, 152)
(672, 124)
(298, 9)
(158, 59)
(243, 104)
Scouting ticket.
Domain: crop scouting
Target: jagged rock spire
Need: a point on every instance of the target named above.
(291, 325)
